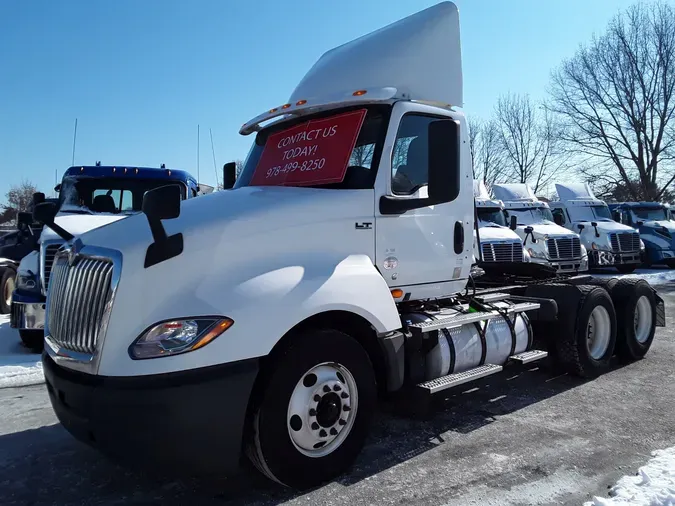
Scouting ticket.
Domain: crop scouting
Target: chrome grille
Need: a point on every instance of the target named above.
(78, 298)
(625, 241)
(49, 252)
(564, 248)
(502, 252)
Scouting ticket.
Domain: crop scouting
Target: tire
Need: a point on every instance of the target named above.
(595, 313)
(670, 264)
(7, 278)
(567, 337)
(33, 339)
(636, 313)
(626, 268)
(275, 443)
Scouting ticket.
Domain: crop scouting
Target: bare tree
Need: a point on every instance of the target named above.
(530, 140)
(487, 152)
(19, 199)
(615, 97)
(239, 167)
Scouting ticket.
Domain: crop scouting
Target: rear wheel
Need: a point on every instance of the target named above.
(626, 268)
(6, 290)
(310, 422)
(586, 344)
(32, 339)
(636, 312)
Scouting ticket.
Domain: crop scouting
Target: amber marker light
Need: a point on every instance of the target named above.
(397, 293)
(217, 329)
(359, 93)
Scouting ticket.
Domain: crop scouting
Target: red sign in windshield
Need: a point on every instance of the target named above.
(314, 152)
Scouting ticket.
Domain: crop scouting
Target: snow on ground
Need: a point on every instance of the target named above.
(653, 276)
(18, 366)
(654, 484)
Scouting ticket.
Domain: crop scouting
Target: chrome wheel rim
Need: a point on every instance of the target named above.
(598, 332)
(642, 320)
(322, 409)
(8, 290)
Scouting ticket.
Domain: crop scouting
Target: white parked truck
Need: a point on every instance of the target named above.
(547, 243)
(498, 243)
(267, 320)
(608, 243)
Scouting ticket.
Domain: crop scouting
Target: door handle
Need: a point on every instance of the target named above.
(459, 237)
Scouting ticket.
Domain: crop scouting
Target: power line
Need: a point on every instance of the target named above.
(213, 152)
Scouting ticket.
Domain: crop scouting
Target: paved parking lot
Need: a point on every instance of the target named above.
(528, 437)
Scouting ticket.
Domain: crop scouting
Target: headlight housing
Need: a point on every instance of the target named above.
(642, 245)
(27, 282)
(178, 336)
(536, 254)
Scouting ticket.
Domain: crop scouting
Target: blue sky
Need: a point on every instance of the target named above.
(141, 75)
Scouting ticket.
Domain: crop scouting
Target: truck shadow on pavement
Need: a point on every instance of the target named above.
(47, 466)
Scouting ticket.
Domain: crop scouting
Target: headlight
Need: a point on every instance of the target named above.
(178, 336)
(536, 254)
(27, 282)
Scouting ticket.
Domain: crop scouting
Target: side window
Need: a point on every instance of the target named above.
(559, 216)
(410, 160)
(625, 218)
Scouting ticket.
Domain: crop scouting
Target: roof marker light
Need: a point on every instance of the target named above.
(81, 169)
(285, 106)
(136, 170)
(114, 169)
(358, 93)
(125, 170)
(301, 102)
(273, 110)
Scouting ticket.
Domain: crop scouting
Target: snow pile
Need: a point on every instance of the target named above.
(652, 276)
(18, 366)
(654, 484)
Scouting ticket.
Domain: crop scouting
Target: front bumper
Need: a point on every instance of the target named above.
(27, 311)
(172, 422)
(656, 256)
(608, 258)
(562, 266)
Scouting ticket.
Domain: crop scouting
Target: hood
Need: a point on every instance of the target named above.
(78, 224)
(497, 233)
(604, 226)
(549, 229)
(652, 225)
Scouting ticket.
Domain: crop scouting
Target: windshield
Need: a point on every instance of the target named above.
(491, 215)
(589, 213)
(86, 195)
(649, 214)
(319, 151)
(531, 215)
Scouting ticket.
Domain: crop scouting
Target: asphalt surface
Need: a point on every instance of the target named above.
(527, 437)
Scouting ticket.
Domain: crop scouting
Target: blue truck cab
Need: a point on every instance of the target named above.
(89, 197)
(657, 230)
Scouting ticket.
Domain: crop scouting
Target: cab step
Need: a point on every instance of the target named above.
(528, 357)
(454, 380)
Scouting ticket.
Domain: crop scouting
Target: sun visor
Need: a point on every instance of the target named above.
(574, 191)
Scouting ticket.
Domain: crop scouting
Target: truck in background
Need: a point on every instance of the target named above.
(498, 243)
(608, 243)
(546, 242)
(89, 197)
(267, 319)
(656, 229)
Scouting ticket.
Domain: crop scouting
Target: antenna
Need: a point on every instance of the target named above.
(197, 152)
(72, 162)
(213, 152)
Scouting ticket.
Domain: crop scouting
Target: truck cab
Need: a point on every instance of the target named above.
(656, 230)
(89, 197)
(546, 242)
(498, 243)
(609, 244)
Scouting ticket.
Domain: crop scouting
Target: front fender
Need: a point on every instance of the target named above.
(265, 297)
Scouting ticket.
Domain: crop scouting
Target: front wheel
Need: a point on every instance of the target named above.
(6, 290)
(312, 419)
(626, 268)
(33, 339)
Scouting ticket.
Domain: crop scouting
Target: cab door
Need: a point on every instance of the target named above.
(426, 250)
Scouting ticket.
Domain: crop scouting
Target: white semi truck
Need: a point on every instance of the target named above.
(267, 320)
(498, 243)
(608, 243)
(546, 242)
